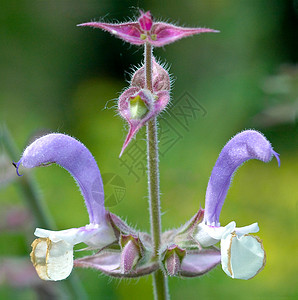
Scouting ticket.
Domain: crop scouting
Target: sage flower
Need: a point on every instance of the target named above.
(145, 30)
(52, 251)
(242, 255)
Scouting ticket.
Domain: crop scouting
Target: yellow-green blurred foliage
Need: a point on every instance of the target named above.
(57, 77)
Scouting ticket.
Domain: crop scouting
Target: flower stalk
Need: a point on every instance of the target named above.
(160, 282)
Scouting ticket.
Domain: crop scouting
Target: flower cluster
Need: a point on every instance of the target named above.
(120, 250)
(187, 252)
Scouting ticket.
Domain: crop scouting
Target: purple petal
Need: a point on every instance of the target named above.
(105, 262)
(246, 145)
(199, 262)
(165, 33)
(77, 160)
(109, 263)
(129, 32)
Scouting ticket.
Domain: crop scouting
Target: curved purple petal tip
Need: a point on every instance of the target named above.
(244, 146)
(17, 165)
(277, 157)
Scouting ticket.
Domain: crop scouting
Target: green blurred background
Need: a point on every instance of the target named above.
(57, 77)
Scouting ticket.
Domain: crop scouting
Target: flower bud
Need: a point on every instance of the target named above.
(137, 105)
(172, 259)
(131, 253)
(145, 20)
(160, 78)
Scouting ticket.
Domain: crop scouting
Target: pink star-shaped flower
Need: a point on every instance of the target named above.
(145, 30)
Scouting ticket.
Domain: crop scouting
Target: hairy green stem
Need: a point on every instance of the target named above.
(33, 199)
(153, 182)
(160, 282)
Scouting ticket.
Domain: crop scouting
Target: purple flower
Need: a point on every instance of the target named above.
(52, 253)
(145, 30)
(242, 255)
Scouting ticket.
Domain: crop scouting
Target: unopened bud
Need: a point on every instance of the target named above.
(145, 21)
(160, 78)
(172, 259)
(138, 106)
(131, 253)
